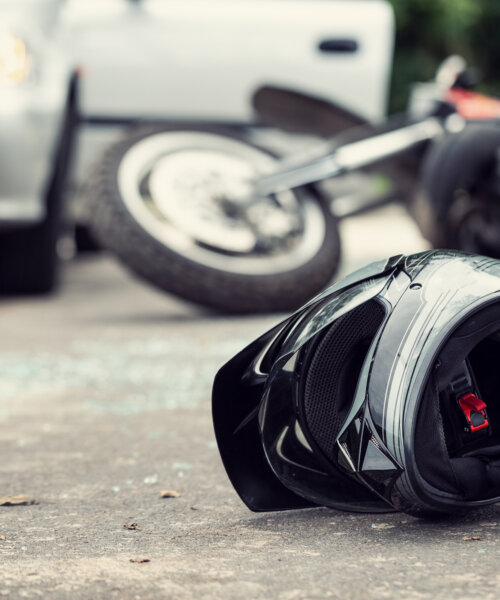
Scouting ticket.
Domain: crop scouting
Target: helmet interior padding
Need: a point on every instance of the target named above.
(450, 455)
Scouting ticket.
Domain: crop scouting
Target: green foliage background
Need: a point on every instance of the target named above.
(429, 30)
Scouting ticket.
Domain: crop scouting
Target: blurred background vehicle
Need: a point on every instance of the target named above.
(38, 96)
(185, 59)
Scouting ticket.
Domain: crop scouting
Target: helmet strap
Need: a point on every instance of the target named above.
(465, 414)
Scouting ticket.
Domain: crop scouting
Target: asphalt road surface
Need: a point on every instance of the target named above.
(105, 403)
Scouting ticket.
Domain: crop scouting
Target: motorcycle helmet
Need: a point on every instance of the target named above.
(382, 393)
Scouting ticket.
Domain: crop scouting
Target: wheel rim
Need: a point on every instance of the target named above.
(183, 189)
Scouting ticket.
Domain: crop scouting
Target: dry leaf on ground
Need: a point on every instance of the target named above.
(19, 500)
(140, 560)
(2, 538)
(133, 526)
(170, 494)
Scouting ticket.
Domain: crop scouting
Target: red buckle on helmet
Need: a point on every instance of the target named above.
(474, 410)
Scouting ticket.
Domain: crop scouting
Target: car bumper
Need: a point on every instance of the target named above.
(32, 121)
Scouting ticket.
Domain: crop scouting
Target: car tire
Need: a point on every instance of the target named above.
(85, 241)
(28, 256)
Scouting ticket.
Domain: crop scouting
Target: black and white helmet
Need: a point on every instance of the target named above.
(381, 393)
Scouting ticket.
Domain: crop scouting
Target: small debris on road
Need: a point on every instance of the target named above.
(19, 500)
(382, 526)
(151, 479)
(133, 526)
(472, 538)
(182, 466)
(169, 494)
(140, 560)
(2, 538)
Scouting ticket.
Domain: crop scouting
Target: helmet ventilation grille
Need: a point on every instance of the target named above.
(333, 370)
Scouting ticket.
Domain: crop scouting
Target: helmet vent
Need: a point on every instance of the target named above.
(333, 370)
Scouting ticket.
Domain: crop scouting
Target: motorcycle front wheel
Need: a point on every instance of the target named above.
(172, 205)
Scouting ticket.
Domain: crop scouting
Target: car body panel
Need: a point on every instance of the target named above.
(205, 59)
(32, 113)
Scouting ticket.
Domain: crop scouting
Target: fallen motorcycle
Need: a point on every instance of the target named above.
(205, 214)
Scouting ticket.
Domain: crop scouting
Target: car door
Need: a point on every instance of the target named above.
(205, 58)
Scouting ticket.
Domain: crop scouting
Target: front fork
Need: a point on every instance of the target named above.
(292, 172)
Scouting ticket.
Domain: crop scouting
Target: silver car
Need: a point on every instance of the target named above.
(38, 91)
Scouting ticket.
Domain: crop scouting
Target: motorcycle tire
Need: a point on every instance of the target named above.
(457, 192)
(160, 205)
